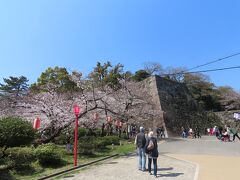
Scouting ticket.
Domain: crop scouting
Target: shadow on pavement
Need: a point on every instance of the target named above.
(70, 176)
(110, 163)
(170, 175)
(165, 169)
(130, 154)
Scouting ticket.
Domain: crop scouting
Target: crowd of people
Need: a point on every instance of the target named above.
(146, 145)
(224, 134)
(190, 133)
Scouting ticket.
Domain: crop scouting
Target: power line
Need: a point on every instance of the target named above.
(219, 69)
(211, 62)
(209, 70)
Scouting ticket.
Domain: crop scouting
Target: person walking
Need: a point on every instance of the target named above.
(158, 131)
(152, 152)
(234, 132)
(162, 133)
(196, 133)
(140, 142)
(184, 134)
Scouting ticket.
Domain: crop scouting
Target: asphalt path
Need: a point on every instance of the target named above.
(207, 145)
(215, 160)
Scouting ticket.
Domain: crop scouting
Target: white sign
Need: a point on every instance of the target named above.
(236, 116)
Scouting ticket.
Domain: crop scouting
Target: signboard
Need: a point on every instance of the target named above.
(236, 116)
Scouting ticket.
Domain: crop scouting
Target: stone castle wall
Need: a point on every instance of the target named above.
(174, 100)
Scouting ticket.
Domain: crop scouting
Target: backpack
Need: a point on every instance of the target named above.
(150, 145)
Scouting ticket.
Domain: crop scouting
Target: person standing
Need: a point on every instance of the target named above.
(162, 132)
(190, 132)
(158, 131)
(183, 132)
(140, 142)
(152, 152)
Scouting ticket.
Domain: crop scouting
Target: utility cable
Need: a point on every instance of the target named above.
(211, 62)
(209, 70)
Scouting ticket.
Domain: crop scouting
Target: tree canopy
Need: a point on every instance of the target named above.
(57, 76)
(14, 86)
(140, 75)
(106, 74)
(203, 91)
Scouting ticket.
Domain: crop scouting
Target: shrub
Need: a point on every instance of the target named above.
(91, 132)
(65, 137)
(20, 156)
(98, 132)
(100, 143)
(86, 145)
(124, 136)
(5, 164)
(82, 132)
(109, 140)
(86, 148)
(15, 132)
(49, 154)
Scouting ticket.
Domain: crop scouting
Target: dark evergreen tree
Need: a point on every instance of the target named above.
(56, 76)
(14, 86)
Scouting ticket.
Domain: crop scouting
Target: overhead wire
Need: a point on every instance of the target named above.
(209, 70)
(188, 71)
(217, 60)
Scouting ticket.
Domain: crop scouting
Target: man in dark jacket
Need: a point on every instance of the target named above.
(140, 142)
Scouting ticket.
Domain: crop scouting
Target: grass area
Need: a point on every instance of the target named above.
(37, 171)
(125, 149)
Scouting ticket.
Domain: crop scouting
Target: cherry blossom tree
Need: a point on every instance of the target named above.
(130, 103)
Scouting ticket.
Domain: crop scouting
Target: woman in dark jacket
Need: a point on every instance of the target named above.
(152, 152)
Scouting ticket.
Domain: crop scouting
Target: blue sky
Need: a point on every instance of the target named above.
(76, 34)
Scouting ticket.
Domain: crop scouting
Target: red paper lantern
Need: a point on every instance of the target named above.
(76, 110)
(95, 116)
(109, 119)
(120, 124)
(36, 123)
(117, 123)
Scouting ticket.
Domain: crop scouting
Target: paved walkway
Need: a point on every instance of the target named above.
(180, 159)
(214, 167)
(217, 160)
(125, 168)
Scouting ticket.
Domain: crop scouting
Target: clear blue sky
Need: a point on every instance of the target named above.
(76, 34)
